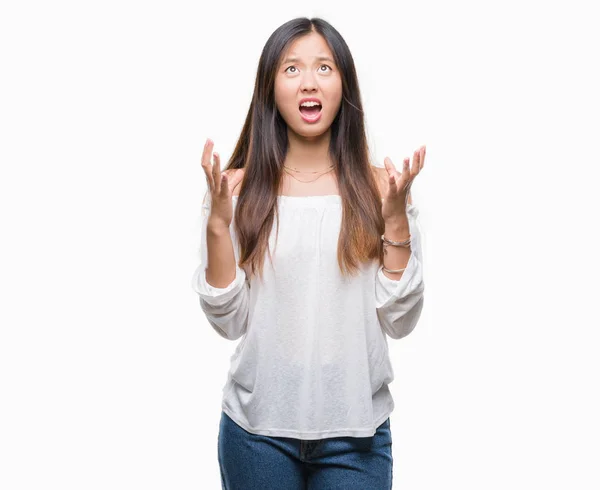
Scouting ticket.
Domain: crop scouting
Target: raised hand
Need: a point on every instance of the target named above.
(396, 199)
(220, 185)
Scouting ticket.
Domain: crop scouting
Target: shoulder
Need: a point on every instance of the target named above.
(382, 178)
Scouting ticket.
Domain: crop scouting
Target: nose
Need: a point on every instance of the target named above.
(308, 83)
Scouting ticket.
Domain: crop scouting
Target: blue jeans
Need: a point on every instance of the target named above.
(252, 462)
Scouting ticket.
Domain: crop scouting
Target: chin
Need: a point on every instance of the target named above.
(310, 132)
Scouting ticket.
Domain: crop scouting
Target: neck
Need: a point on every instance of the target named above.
(308, 153)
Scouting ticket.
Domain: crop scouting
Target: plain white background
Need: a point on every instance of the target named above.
(110, 376)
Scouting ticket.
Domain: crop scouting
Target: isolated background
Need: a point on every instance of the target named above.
(110, 376)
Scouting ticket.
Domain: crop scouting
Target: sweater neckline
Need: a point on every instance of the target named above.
(323, 197)
(284, 197)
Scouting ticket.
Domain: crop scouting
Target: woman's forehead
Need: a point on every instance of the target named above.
(311, 47)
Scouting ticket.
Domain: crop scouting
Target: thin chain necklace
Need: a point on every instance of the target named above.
(306, 172)
(323, 172)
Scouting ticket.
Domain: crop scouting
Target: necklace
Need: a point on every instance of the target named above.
(309, 172)
(307, 181)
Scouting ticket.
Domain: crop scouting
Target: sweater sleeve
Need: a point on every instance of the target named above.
(226, 309)
(399, 302)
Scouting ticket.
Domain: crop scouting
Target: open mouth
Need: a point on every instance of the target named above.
(311, 113)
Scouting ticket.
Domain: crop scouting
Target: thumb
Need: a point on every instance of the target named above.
(391, 170)
(389, 166)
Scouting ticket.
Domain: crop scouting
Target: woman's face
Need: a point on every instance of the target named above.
(308, 71)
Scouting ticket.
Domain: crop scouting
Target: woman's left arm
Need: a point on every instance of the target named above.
(399, 288)
(399, 301)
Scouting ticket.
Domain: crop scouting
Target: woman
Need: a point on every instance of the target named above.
(306, 403)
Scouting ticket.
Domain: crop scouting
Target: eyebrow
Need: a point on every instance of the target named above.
(320, 58)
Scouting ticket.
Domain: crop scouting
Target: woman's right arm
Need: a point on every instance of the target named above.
(221, 269)
(220, 283)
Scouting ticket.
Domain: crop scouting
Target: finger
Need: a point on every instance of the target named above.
(392, 172)
(404, 176)
(416, 162)
(423, 151)
(406, 169)
(400, 177)
(224, 185)
(389, 166)
(206, 166)
(393, 184)
(216, 170)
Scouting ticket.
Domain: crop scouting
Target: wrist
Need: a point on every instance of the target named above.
(397, 228)
(216, 227)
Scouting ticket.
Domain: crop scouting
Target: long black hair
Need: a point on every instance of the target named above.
(262, 146)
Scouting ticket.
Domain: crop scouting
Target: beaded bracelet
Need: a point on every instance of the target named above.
(389, 270)
(405, 243)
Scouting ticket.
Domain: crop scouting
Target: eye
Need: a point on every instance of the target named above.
(296, 68)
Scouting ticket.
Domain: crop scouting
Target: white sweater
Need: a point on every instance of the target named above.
(313, 361)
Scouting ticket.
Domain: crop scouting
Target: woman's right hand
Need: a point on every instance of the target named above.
(220, 186)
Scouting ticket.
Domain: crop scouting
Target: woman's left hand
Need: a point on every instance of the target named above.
(399, 183)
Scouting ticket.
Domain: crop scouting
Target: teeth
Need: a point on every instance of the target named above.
(309, 104)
